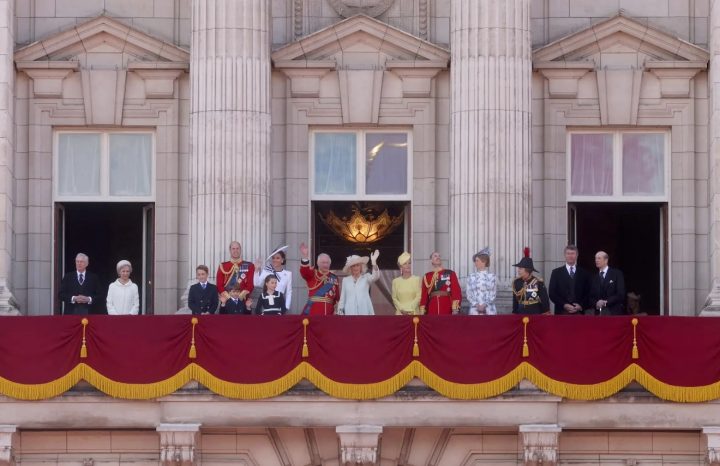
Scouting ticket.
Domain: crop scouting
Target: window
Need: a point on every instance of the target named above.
(360, 165)
(621, 165)
(104, 166)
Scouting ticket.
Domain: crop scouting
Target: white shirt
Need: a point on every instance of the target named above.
(571, 269)
(604, 270)
(355, 295)
(84, 275)
(284, 284)
(123, 299)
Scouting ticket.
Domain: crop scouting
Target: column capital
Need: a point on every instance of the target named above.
(359, 444)
(8, 441)
(540, 444)
(178, 443)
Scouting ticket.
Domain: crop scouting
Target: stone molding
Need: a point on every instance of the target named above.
(102, 29)
(359, 444)
(540, 444)
(178, 443)
(586, 42)
(373, 8)
(8, 443)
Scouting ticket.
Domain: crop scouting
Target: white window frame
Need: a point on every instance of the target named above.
(104, 195)
(360, 166)
(617, 194)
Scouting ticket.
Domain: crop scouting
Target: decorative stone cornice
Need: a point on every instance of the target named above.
(8, 442)
(178, 443)
(591, 40)
(540, 444)
(359, 444)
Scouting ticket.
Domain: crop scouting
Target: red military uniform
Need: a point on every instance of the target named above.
(231, 272)
(323, 291)
(441, 293)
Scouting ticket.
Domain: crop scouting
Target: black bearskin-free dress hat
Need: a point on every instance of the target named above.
(526, 262)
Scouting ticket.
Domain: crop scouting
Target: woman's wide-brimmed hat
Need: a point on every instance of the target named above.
(277, 250)
(353, 260)
(526, 262)
(404, 258)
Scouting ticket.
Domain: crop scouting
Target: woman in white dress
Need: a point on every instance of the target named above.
(355, 291)
(123, 297)
(275, 265)
(482, 286)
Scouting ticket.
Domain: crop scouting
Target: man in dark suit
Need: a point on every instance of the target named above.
(569, 285)
(79, 288)
(607, 288)
(203, 296)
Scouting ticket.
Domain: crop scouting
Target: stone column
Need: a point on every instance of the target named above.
(712, 305)
(8, 305)
(540, 444)
(178, 443)
(230, 140)
(490, 174)
(359, 444)
(8, 442)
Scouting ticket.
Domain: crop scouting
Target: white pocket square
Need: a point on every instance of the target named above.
(611, 282)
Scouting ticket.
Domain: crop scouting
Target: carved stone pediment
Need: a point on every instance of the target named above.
(102, 54)
(359, 51)
(621, 55)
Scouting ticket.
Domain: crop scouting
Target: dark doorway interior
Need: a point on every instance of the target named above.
(631, 234)
(107, 233)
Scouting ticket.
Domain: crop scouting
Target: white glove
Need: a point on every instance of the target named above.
(374, 256)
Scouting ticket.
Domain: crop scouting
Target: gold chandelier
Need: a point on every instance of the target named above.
(362, 229)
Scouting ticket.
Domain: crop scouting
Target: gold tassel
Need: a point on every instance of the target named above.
(526, 348)
(416, 347)
(83, 348)
(635, 352)
(305, 349)
(193, 352)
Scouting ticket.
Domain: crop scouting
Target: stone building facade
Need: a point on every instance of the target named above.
(501, 107)
(522, 122)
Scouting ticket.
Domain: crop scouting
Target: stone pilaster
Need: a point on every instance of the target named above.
(8, 306)
(230, 120)
(8, 442)
(178, 443)
(540, 444)
(359, 444)
(712, 305)
(490, 173)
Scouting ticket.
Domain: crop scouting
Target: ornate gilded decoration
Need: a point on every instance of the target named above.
(362, 228)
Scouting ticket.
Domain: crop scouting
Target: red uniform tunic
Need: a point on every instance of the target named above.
(323, 304)
(231, 272)
(440, 293)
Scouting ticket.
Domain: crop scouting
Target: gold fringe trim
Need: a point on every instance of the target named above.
(381, 389)
(367, 391)
(254, 391)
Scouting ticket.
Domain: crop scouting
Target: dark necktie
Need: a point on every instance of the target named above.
(602, 275)
(572, 272)
(203, 285)
(81, 279)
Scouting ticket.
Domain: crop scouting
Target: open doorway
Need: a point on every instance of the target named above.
(107, 233)
(634, 236)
